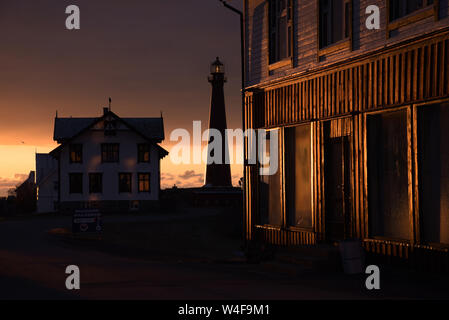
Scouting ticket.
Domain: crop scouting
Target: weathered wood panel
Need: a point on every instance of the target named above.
(395, 78)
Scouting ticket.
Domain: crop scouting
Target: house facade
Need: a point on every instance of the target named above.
(110, 163)
(361, 118)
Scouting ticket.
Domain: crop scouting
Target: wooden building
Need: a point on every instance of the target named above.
(362, 117)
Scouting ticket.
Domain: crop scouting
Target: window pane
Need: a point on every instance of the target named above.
(95, 183)
(281, 16)
(338, 21)
(433, 153)
(388, 175)
(76, 183)
(298, 176)
(76, 153)
(332, 22)
(144, 182)
(125, 182)
(401, 8)
(270, 191)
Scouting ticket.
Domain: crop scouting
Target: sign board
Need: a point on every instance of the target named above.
(87, 221)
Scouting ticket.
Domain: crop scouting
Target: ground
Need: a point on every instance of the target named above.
(194, 255)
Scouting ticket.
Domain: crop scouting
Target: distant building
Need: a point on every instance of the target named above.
(26, 195)
(110, 163)
(361, 117)
(218, 174)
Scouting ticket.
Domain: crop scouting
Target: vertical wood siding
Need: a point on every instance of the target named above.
(413, 73)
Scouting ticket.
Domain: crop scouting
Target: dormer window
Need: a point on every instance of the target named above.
(76, 153)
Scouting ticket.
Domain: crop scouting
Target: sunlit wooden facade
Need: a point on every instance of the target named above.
(362, 121)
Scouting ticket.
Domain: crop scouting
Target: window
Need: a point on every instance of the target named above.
(95, 183)
(281, 29)
(270, 185)
(125, 183)
(433, 172)
(388, 197)
(110, 152)
(75, 182)
(76, 153)
(143, 153)
(334, 21)
(298, 176)
(144, 182)
(401, 8)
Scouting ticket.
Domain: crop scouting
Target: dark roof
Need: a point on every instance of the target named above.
(67, 128)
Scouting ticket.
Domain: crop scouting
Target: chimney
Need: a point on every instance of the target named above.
(105, 110)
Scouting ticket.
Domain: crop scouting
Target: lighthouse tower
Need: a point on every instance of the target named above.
(218, 175)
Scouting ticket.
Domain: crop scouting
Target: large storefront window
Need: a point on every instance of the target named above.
(388, 175)
(433, 172)
(298, 176)
(270, 186)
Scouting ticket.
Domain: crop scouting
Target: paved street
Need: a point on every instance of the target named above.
(32, 266)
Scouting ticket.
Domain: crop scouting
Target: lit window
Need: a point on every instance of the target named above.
(143, 153)
(76, 153)
(144, 182)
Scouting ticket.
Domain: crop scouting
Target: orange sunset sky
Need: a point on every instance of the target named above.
(149, 56)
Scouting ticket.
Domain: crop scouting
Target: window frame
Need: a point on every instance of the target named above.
(106, 145)
(312, 174)
(426, 11)
(92, 174)
(141, 159)
(277, 62)
(139, 180)
(73, 174)
(73, 149)
(259, 223)
(346, 42)
(410, 166)
(130, 182)
(416, 176)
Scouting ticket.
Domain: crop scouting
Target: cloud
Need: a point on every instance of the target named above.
(189, 174)
(8, 183)
(188, 179)
(167, 176)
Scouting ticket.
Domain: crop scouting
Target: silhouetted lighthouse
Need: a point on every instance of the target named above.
(218, 175)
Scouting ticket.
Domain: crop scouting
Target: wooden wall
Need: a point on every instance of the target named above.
(406, 74)
(305, 37)
(412, 72)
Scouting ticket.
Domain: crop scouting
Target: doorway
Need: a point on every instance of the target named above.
(337, 177)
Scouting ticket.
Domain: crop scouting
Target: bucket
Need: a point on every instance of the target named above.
(352, 256)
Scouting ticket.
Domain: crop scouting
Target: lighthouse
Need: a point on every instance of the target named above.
(218, 174)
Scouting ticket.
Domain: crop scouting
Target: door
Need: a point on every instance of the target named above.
(337, 188)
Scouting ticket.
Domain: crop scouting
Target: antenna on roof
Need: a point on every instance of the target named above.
(56, 114)
(161, 114)
(110, 102)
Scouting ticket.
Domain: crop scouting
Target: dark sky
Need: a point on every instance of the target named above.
(149, 56)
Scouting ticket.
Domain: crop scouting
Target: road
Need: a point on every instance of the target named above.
(32, 266)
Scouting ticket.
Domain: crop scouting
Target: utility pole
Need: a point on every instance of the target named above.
(242, 62)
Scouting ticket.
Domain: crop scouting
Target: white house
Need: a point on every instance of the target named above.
(110, 163)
